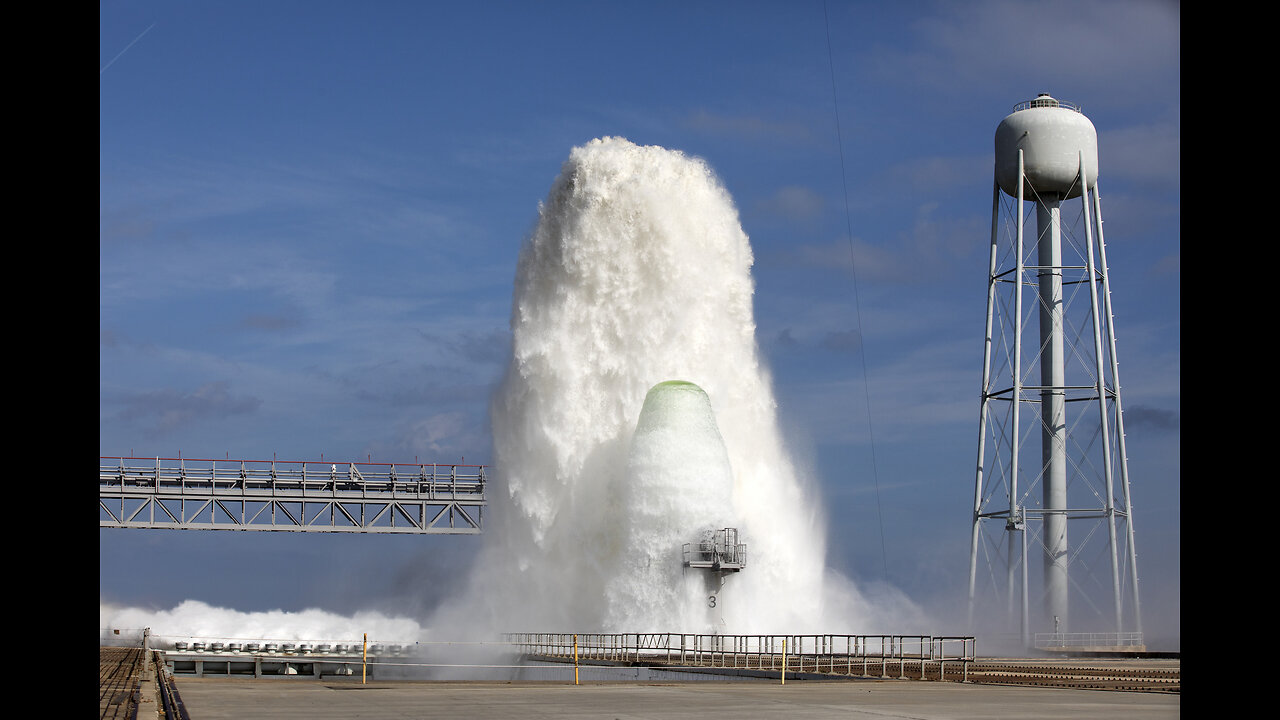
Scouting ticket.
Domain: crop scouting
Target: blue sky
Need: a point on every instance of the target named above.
(311, 214)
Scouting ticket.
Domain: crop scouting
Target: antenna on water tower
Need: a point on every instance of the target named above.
(1060, 385)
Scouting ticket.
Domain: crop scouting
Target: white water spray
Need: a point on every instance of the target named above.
(679, 484)
(193, 619)
(638, 272)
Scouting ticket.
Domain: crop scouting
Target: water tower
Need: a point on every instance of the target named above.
(1053, 525)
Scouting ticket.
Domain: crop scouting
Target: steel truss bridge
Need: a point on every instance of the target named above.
(290, 496)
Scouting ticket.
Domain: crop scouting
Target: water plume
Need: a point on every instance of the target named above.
(638, 272)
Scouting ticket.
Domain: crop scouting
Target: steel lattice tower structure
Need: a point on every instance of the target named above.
(1057, 384)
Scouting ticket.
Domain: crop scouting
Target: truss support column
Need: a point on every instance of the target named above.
(985, 399)
(1100, 389)
(1017, 519)
(1053, 410)
(1120, 440)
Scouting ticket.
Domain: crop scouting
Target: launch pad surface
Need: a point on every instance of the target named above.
(997, 688)
(211, 699)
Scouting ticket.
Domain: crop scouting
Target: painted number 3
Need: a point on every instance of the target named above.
(711, 601)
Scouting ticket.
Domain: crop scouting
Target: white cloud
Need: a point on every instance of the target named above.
(1121, 49)
(794, 203)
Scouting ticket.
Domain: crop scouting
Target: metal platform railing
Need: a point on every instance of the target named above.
(1077, 640)
(901, 656)
(718, 550)
(290, 496)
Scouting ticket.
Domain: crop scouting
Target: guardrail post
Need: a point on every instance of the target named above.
(784, 661)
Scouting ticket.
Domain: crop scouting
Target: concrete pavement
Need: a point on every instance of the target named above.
(219, 698)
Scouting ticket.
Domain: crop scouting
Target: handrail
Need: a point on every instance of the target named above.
(905, 656)
(266, 475)
(1089, 639)
(1038, 102)
(293, 496)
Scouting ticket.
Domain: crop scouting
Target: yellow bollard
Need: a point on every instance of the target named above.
(575, 658)
(784, 661)
(364, 657)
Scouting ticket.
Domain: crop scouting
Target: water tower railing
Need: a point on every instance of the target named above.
(1027, 104)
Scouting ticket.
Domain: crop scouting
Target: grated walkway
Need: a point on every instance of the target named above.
(119, 671)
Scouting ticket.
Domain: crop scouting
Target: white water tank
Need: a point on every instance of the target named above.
(1052, 135)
